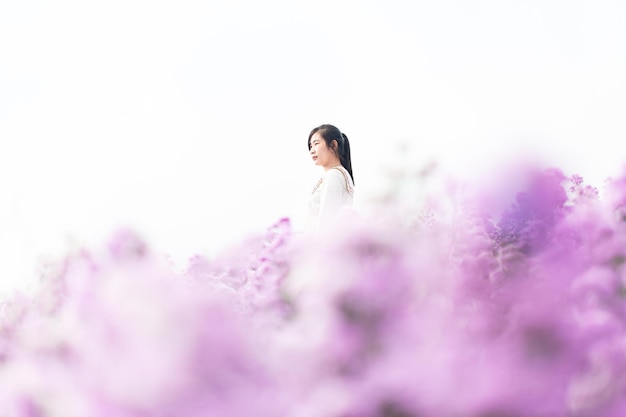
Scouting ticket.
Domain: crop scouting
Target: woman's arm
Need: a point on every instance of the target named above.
(331, 199)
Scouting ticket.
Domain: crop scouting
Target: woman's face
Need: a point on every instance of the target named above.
(320, 153)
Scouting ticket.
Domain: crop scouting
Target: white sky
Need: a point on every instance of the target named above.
(187, 120)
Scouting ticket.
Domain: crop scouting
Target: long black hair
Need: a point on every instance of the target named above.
(331, 133)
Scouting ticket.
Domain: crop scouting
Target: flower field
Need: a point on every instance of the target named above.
(448, 309)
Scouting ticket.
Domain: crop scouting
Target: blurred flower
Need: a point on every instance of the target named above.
(425, 307)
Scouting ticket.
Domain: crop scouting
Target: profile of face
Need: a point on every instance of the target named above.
(321, 154)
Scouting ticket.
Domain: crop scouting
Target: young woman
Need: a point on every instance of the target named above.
(330, 149)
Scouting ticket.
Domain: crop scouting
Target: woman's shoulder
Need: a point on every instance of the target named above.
(340, 174)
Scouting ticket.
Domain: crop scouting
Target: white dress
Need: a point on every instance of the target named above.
(333, 192)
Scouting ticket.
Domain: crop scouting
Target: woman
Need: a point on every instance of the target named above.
(330, 149)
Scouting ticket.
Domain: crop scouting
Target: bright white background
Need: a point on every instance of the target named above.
(188, 120)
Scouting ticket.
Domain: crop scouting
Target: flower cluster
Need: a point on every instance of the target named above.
(455, 314)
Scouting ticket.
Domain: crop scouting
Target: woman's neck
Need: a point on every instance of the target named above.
(332, 164)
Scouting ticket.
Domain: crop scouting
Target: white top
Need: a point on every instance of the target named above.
(334, 191)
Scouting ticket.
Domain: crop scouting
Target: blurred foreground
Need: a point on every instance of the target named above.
(472, 306)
